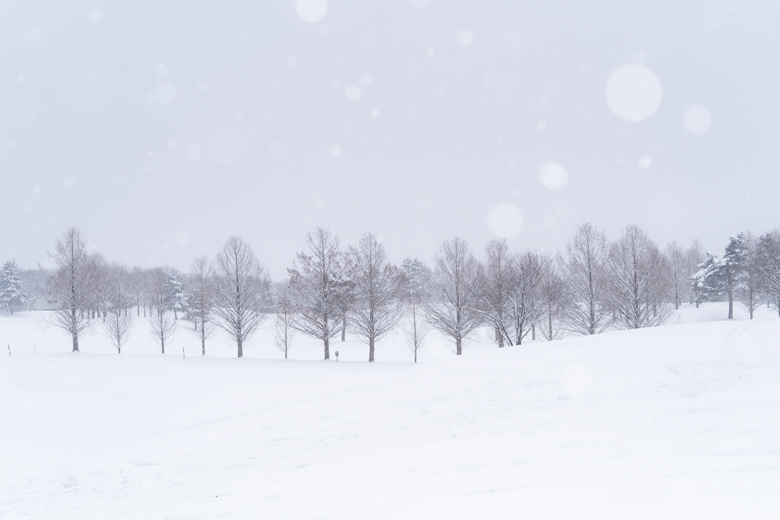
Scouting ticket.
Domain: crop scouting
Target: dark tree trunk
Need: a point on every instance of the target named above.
(326, 343)
(730, 291)
(344, 328)
(533, 332)
(499, 338)
(370, 350)
(458, 347)
(162, 344)
(415, 355)
(75, 343)
(240, 348)
(549, 325)
(731, 305)
(202, 345)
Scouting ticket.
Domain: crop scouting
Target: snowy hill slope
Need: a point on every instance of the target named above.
(681, 421)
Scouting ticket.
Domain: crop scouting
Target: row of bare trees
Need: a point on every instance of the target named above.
(233, 293)
(595, 284)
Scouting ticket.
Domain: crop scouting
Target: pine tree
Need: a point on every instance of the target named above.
(178, 300)
(415, 275)
(722, 278)
(707, 284)
(11, 295)
(732, 267)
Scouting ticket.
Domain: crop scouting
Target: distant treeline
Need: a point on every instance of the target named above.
(593, 285)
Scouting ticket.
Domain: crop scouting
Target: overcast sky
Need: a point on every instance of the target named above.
(161, 128)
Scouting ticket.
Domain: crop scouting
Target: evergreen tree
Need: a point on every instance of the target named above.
(178, 300)
(415, 277)
(706, 284)
(732, 268)
(11, 295)
(721, 278)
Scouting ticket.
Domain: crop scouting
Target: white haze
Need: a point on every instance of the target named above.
(161, 128)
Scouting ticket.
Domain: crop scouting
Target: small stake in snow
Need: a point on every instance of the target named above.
(337, 356)
(182, 353)
(9, 350)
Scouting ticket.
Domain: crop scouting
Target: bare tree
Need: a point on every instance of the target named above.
(377, 290)
(694, 258)
(163, 324)
(526, 306)
(494, 288)
(118, 321)
(769, 258)
(138, 285)
(243, 291)
(415, 294)
(452, 309)
(554, 297)
(283, 322)
(749, 285)
(680, 272)
(70, 286)
(101, 285)
(202, 300)
(638, 281)
(583, 271)
(317, 287)
(346, 302)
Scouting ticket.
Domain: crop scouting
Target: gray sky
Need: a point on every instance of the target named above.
(161, 128)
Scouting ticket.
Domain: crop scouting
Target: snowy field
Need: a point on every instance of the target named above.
(680, 421)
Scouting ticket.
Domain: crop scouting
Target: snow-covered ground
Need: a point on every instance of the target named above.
(680, 421)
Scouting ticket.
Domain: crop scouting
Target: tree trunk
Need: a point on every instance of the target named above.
(499, 338)
(75, 343)
(371, 350)
(202, 345)
(533, 332)
(415, 355)
(326, 343)
(549, 324)
(344, 328)
(162, 344)
(240, 348)
(731, 305)
(458, 347)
